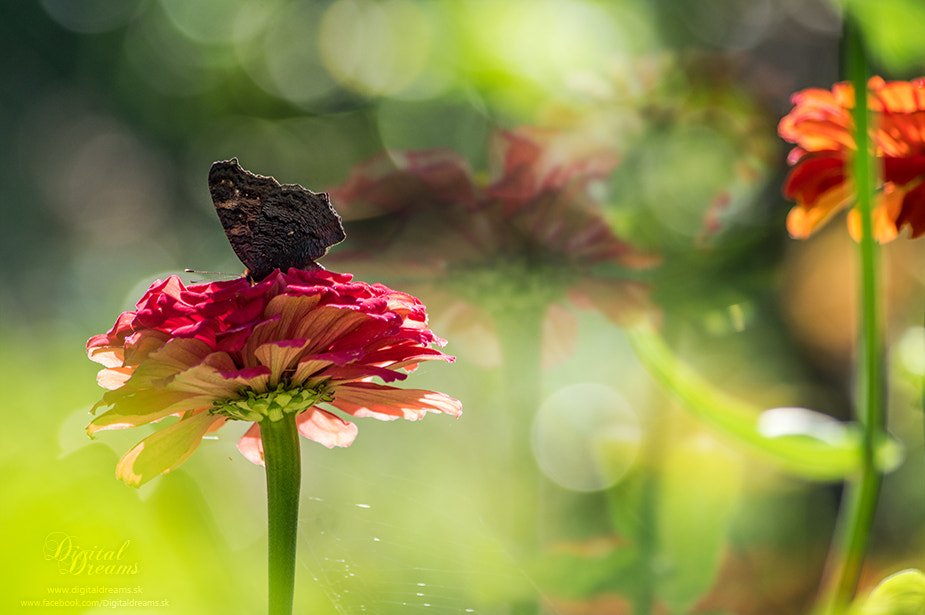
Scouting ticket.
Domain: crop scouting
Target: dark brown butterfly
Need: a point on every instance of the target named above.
(272, 226)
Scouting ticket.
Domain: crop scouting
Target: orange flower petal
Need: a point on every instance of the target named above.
(803, 220)
(887, 208)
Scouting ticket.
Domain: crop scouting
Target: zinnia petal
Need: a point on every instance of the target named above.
(368, 399)
(220, 379)
(132, 408)
(251, 446)
(804, 219)
(114, 377)
(322, 426)
(165, 449)
(326, 428)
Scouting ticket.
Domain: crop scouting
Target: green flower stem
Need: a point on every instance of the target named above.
(847, 556)
(283, 464)
(520, 334)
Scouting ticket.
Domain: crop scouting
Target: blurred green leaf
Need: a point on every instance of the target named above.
(694, 514)
(900, 594)
(831, 455)
(575, 574)
(892, 29)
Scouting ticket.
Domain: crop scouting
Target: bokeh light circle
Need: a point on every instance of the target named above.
(204, 21)
(376, 48)
(679, 186)
(91, 16)
(281, 53)
(909, 351)
(585, 437)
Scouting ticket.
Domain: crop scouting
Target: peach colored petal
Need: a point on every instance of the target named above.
(251, 446)
(113, 377)
(165, 449)
(408, 357)
(326, 428)
(367, 399)
(108, 356)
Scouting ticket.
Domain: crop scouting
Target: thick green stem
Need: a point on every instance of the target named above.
(847, 557)
(283, 465)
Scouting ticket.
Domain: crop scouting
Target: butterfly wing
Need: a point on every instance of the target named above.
(272, 226)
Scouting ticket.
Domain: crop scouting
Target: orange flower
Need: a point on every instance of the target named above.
(209, 353)
(822, 127)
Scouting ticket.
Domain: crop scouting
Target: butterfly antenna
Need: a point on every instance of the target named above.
(214, 274)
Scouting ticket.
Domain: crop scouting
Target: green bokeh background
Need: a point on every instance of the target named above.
(112, 112)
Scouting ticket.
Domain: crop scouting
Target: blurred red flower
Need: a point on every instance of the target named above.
(536, 201)
(208, 353)
(528, 233)
(822, 127)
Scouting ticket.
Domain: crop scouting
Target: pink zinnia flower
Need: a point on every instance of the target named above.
(209, 353)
